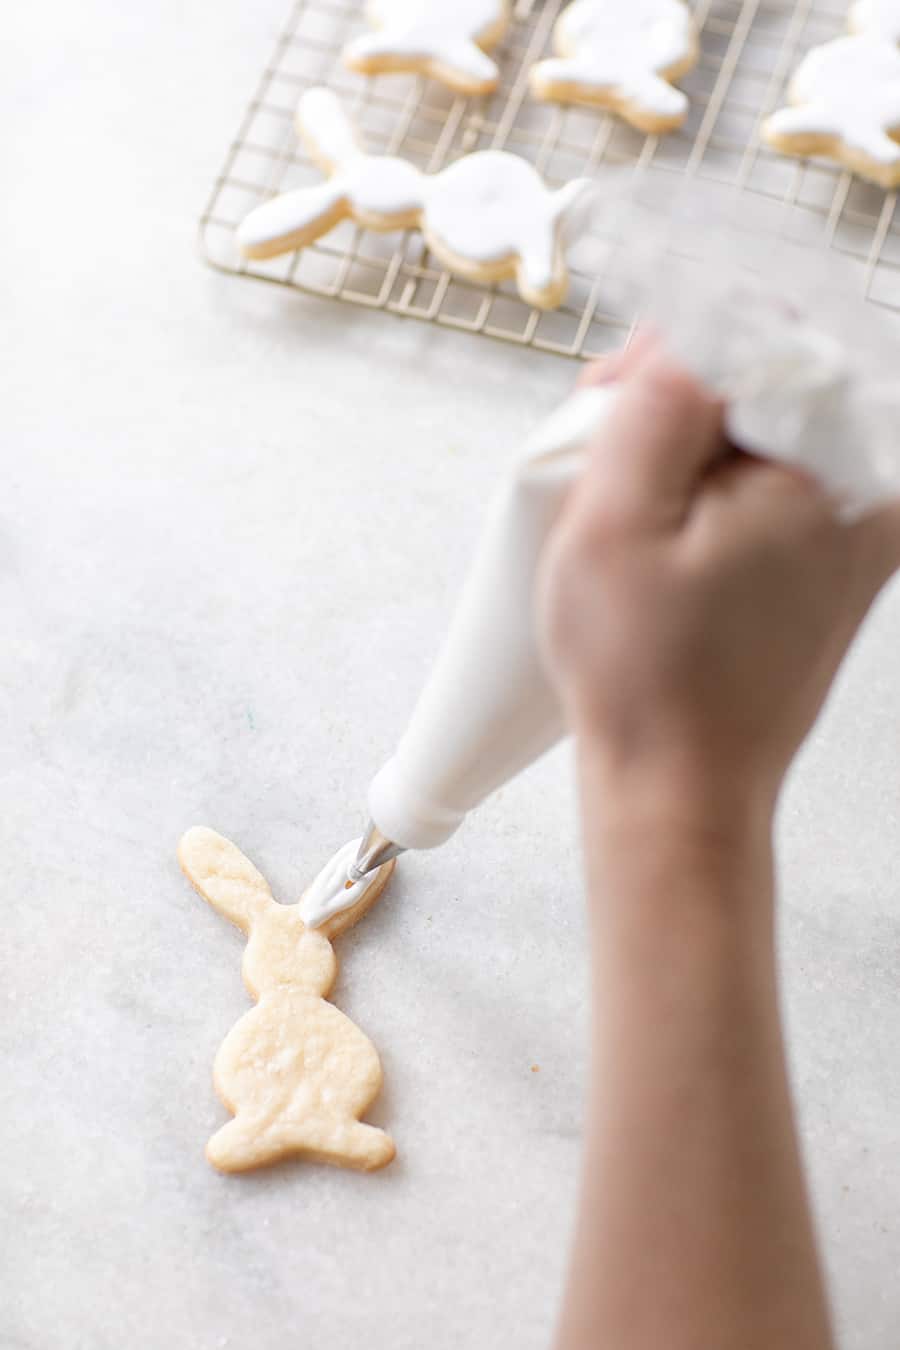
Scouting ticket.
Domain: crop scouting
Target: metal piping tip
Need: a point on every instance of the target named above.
(375, 849)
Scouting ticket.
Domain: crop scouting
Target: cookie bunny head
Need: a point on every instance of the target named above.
(282, 950)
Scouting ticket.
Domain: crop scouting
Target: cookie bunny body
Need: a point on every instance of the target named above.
(446, 40)
(296, 1073)
(621, 55)
(845, 98)
(488, 216)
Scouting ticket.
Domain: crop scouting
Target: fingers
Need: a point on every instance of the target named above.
(601, 371)
(662, 433)
(748, 497)
(605, 369)
(872, 543)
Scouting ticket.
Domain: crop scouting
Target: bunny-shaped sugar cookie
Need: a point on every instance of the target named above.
(294, 1070)
(622, 55)
(446, 40)
(845, 98)
(488, 216)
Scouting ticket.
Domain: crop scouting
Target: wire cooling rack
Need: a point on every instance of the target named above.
(749, 49)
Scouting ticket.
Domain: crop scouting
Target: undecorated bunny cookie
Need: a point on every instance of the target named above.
(622, 55)
(488, 216)
(446, 40)
(296, 1073)
(879, 17)
(846, 105)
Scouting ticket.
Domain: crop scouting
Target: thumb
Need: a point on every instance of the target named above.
(606, 369)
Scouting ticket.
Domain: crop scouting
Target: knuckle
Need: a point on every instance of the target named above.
(790, 496)
(793, 484)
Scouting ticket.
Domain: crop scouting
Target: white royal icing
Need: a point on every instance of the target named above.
(485, 207)
(850, 89)
(623, 46)
(381, 185)
(321, 118)
(329, 894)
(491, 204)
(446, 32)
(881, 17)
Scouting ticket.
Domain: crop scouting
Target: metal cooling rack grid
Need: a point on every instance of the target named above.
(749, 49)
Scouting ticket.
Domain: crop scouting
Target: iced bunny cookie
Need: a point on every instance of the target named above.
(622, 55)
(296, 1073)
(446, 40)
(845, 98)
(878, 17)
(381, 192)
(488, 216)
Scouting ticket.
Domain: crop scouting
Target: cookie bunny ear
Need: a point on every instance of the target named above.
(291, 220)
(223, 876)
(327, 130)
(337, 923)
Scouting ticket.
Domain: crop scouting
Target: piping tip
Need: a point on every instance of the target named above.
(375, 849)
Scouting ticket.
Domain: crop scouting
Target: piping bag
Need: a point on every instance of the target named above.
(804, 370)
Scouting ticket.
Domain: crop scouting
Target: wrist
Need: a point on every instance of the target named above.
(666, 837)
(676, 790)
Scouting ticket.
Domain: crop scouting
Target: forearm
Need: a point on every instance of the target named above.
(694, 1229)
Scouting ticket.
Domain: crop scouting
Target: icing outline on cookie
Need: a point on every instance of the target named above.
(331, 893)
(621, 55)
(445, 40)
(294, 1071)
(488, 216)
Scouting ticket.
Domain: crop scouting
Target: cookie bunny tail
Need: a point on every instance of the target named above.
(541, 274)
(223, 876)
(292, 220)
(464, 66)
(570, 195)
(559, 78)
(810, 120)
(372, 51)
(651, 102)
(571, 206)
(877, 145)
(327, 130)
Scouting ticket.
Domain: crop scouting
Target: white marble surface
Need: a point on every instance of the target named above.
(231, 523)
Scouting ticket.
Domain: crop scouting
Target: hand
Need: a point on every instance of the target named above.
(695, 602)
